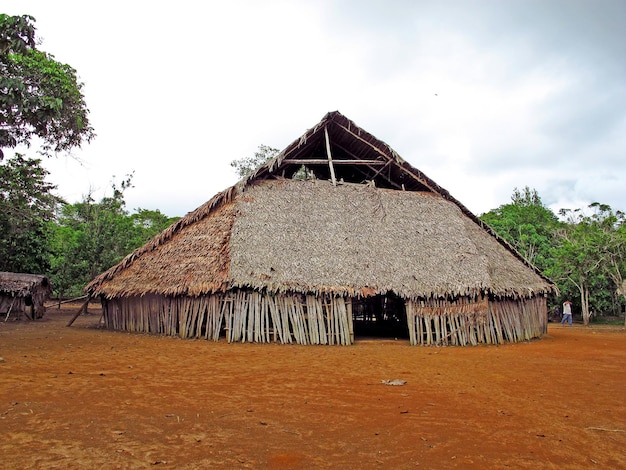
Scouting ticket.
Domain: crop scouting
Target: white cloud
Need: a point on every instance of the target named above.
(482, 97)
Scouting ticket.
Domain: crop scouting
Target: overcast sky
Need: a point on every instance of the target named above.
(481, 96)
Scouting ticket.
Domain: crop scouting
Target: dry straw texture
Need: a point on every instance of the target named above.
(21, 292)
(189, 258)
(21, 285)
(313, 237)
(388, 228)
(309, 236)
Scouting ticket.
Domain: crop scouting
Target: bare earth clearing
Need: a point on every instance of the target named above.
(82, 397)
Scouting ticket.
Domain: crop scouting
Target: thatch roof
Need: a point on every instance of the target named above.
(22, 285)
(379, 225)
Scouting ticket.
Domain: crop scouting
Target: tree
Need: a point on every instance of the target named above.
(618, 261)
(39, 97)
(91, 236)
(146, 224)
(612, 226)
(592, 252)
(527, 225)
(66, 267)
(247, 165)
(27, 204)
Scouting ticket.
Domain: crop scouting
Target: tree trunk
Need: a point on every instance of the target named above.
(584, 301)
(623, 290)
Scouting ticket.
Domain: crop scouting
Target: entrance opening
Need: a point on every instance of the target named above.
(380, 316)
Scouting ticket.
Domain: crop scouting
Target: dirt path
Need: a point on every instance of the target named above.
(81, 397)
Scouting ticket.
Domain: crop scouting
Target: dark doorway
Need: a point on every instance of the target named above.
(380, 316)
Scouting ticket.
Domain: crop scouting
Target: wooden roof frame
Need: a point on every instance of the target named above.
(364, 154)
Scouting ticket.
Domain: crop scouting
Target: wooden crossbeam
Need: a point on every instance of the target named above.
(316, 161)
(412, 175)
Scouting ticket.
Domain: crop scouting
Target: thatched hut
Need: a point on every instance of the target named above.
(335, 236)
(23, 293)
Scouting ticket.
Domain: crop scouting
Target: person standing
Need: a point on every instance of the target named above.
(567, 312)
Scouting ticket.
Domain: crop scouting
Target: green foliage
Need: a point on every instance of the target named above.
(27, 204)
(17, 33)
(39, 97)
(247, 165)
(527, 225)
(592, 255)
(91, 237)
(147, 224)
(584, 254)
(71, 243)
(66, 268)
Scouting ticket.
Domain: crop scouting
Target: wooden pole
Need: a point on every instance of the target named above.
(350, 319)
(10, 308)
(330, 157)
(66, 301)
(82, 309)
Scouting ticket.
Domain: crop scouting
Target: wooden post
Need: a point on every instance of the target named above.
(350, 319)
(410, 320)
(10, 308)
(330, 157)
(82, 309)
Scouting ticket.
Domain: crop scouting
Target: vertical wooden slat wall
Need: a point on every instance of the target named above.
(465, 321)
(240, 316)
(306, 319)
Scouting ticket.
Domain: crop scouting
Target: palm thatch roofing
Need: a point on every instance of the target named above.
(366, 222)
(23, 285)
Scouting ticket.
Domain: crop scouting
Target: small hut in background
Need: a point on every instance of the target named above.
(23, 293)
(335, 237)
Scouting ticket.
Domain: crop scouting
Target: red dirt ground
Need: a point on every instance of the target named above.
(82, 397)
